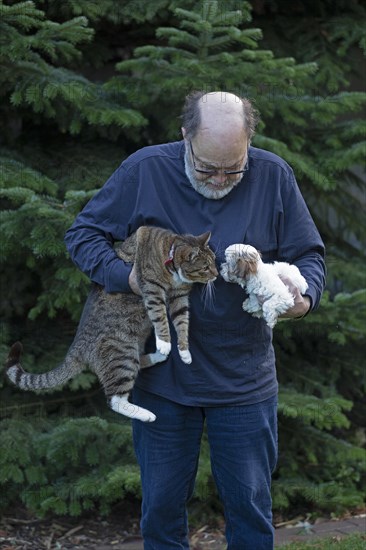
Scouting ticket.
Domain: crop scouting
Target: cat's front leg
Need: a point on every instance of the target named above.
(162, 346)
(154, 301)
(179, 314)
(185, 355)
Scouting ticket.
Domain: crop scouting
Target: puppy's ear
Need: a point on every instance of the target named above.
(252, 268)
(241, 268)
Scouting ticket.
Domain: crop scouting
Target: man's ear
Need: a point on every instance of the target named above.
(183, 132)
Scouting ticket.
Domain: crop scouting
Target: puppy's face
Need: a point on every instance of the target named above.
(241, 262)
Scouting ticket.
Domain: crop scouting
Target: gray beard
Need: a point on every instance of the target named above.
(201, 186)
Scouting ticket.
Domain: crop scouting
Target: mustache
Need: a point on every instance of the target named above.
(206, 187)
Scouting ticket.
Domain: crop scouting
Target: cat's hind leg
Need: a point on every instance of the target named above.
(118, 369)
(121, 405)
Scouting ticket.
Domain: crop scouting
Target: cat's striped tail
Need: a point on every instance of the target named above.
(28, 381)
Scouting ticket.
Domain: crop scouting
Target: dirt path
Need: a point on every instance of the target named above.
(120, 531)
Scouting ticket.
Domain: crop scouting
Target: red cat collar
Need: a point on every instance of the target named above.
(170, 257)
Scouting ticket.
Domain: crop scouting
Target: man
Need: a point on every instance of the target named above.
(212, 180)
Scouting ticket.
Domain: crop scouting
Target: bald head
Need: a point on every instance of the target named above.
(222, 125)
(220, 117)
(217, 127)
(219, 107)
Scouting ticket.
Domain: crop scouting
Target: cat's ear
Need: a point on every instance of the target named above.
(204, 238)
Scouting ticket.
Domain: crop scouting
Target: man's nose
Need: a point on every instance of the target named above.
(219, 177)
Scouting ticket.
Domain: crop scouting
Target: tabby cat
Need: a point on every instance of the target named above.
(114, 327)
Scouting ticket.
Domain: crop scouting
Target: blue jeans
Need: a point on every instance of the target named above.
(243, 449)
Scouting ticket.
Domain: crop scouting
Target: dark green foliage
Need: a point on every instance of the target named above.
(65, 465)
(83, 84)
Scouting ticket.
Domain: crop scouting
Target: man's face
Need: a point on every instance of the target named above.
(211, 177)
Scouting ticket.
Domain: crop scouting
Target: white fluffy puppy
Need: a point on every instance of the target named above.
(268, 295)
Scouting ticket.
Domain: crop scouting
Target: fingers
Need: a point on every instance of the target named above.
(300, 307)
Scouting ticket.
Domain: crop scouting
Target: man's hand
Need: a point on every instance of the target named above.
(302, 303)
(132, 281)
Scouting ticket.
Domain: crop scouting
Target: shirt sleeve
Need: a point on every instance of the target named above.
(300, 242)
(107, 218)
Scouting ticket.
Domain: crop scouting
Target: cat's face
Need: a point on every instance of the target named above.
(195, 261)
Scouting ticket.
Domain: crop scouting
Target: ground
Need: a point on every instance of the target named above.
(20, 530)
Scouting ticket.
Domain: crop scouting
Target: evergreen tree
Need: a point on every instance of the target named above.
(53, 156)
(69, 118)
(42, 97)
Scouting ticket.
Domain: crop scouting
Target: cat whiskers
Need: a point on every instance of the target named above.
(208, 294)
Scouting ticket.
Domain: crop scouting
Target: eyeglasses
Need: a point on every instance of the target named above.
(211, 172)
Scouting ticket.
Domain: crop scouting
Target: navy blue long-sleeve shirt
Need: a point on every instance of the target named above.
(233, 357)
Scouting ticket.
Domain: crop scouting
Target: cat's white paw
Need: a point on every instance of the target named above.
(163, 347)
(151, 359)
(121, 405)
(186, 356)
(157, 357)
(144, 415)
